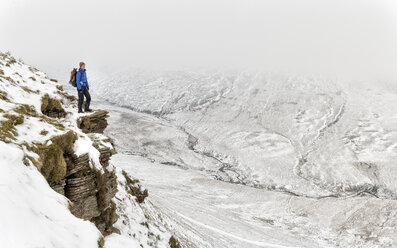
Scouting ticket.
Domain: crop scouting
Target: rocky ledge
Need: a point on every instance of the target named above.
(94, 123)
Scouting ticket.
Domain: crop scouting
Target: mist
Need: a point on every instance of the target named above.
(357, 37)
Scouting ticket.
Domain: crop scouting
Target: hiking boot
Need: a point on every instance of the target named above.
(88, 110)
(80, 112)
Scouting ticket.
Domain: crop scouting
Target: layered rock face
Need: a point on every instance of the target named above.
(82, 183)
(89, 189)
(94, 123)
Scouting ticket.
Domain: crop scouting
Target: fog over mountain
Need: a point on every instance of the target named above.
(332, 36)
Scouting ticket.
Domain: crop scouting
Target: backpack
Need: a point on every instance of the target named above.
(72, 80)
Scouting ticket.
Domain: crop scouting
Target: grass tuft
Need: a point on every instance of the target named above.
(44, 132)
(101, 242)
(26, 109)
(174, 243)
(4, 96)
(28, 90)
(9, 79)
(7, 127)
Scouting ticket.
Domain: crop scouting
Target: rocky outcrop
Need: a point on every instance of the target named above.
(94, 123)
(52, 158)
(43, 127)
(52, 107)
(134, 188)
(80, 188)
(89, 189)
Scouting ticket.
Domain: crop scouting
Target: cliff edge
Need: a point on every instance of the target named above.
(58, 185)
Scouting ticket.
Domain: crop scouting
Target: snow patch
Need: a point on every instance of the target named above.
(32, 214)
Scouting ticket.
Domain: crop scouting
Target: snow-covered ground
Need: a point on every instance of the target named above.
(231, 159)
(259, 160)
(32, 214)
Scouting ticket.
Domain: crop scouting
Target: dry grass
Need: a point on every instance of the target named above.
(174, 243)
(133, 188)
(7, 127)
(52, 162)
(52, 107)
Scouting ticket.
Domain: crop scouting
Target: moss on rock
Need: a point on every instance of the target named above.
(94, 123)
(52, 107)
(52, 162)
(7, 127)
(101, 242)
(105, 221)
(134, 189)
(54, 165)
(108, 215)
(174, 243)
(65, 142)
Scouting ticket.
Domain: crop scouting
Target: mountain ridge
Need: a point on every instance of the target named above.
(64, 158)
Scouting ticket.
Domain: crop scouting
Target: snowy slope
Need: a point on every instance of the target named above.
(32, 214)
(313, 158)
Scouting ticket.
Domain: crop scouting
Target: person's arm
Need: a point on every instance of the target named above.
(88, 87)
(78, 77)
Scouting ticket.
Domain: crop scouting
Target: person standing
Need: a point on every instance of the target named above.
(83, 89)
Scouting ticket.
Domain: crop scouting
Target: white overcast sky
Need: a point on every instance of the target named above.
(335, 35)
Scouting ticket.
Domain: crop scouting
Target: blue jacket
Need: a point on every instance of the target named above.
(81, 79)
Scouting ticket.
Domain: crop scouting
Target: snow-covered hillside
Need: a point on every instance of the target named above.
(260, 160)
(229, 159)
(42, 152)
(33, 215)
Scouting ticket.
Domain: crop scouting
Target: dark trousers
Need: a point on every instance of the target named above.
(84, 92)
